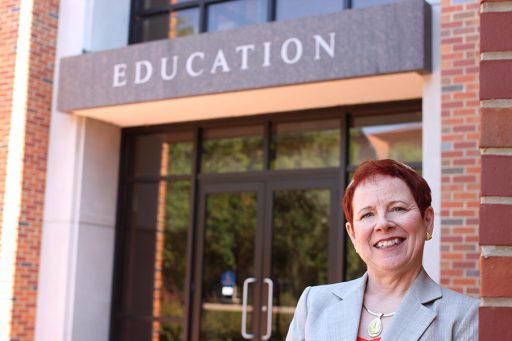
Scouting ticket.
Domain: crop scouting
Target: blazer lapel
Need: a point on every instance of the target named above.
(347, 312)
(413, 318)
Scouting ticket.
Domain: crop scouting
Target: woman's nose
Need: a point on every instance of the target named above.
(383, 222)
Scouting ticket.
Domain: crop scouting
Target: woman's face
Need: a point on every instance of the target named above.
(388, 231)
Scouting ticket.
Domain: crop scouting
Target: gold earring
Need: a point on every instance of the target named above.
(428, 236)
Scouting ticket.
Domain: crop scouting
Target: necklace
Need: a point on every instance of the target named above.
(375, 327)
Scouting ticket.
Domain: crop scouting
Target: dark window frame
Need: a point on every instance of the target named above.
(138, 13)
(344, 114)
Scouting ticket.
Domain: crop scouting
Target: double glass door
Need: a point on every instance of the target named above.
(259, 244)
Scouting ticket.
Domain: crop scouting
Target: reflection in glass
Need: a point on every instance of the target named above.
(154, 27)
(163, 154)
(306, 145)
(135, 330)
(184, 23)
(228, 261)
(232, 150)
(155, 265)
(167, 331)
(232, 14)
(401, 141)
(161, 3)
(355, 265)
(368, 3)
(299, 249)
(292, 9)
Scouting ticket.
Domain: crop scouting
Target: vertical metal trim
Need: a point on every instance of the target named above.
(342, 241)
(271, 10)
(192, 237)
(123, 198)
(267, 139)
(203, 17)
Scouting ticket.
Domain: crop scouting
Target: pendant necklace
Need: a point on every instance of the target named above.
(375, 327)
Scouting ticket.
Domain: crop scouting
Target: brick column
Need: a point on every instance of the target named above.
(496, 149)
(27, 57)
(460, 163)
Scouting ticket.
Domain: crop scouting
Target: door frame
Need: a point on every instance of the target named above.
(264, 184)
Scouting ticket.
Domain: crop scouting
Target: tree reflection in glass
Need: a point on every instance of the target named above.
(306, 145)
(228, 246)
(299, 249)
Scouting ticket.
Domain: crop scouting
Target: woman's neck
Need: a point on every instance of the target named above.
(385, 291)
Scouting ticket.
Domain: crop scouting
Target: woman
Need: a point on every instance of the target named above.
(387, 206)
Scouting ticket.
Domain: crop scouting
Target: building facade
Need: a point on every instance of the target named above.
(173, 170)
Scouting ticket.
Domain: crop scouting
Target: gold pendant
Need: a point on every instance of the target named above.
(375, 327)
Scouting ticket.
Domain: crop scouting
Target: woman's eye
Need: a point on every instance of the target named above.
(366, 215)
(397, 209)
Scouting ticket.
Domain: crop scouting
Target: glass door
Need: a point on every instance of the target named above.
(259, 246)
(303, 245)
(228, 262)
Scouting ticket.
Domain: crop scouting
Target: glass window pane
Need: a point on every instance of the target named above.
(306, 145)
(135, 330)
(163, 154)
(232, 150)
(161, 3)
(184, 23)
(154, 264)
(233, 14)
(228, 260)
(368, 3)
(154, 27)
(355, 265)
(371, 139)
(167, 331)
(291, 9)
(299, 249)
(171, 250)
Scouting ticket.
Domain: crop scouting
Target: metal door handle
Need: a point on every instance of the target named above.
(246, 335)
(269, 310)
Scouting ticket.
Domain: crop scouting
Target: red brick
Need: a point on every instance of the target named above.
(496, 127)
(496, 276)
(494, 323)
(495, 79)
(496, 175)
(495, 27)
(495, 224)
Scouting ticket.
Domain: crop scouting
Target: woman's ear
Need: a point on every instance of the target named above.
(350, 230)
(351, 234)
(428, 219)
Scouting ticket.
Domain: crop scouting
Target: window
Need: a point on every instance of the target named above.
(197, 200)
(169, 19)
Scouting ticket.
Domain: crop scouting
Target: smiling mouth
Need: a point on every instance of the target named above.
(384, 244)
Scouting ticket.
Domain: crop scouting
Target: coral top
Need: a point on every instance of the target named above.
(361, 339)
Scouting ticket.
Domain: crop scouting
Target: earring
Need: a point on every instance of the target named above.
(428, 236)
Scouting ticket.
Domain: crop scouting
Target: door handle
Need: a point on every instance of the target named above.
(269, 307)
(246, 335)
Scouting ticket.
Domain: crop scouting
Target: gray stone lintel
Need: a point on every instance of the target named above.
(377, 40)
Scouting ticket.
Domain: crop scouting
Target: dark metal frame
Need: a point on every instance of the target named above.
(138, 13)
(201, 183)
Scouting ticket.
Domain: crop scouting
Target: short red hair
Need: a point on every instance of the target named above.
(419, 187)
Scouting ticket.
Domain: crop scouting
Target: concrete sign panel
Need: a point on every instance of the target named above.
(352, 43)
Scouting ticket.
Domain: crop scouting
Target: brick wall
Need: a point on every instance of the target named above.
(460, 184)
(8, 35)
(38, 92)
(496, 148)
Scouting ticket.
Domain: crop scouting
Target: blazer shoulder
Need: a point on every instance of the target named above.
(336, 290)
(459, 300)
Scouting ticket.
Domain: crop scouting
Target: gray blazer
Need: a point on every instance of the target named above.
(427, 312)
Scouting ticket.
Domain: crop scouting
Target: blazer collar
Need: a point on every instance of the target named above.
(347, 312)
(410, 321)
(413, 317)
